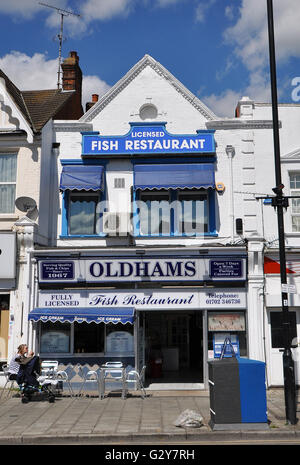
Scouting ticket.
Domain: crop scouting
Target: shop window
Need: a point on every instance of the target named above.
(88, 337)
(295, 203)
(173, 212)
(8, 173)
(119, 339)
(83, 217)
(277, 333)
(55, 337)
(223, 325)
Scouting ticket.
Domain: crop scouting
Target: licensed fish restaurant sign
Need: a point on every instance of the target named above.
(141, 299)
(142, 139)
(134, 269)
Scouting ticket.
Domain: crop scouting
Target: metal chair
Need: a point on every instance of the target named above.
(89, 376)
(135, 376)
(7, 380)
(113, 364)
(62, 375)
(49, 368)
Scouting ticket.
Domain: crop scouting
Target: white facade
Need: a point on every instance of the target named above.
(243, 171)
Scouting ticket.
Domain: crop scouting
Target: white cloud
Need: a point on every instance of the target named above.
(250, 33)
(27, 8)
(224, 104)
(249, 37)
(202, 10)
(92, 85)
(38, 72)
(229, 12)
(28, 73)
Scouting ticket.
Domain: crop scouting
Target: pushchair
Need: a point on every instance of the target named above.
(31, 383)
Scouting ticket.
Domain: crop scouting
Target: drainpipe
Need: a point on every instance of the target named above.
(230, 151)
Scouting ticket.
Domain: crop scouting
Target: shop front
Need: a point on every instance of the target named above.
(171, 324)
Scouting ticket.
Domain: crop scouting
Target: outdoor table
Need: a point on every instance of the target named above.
(111, 373)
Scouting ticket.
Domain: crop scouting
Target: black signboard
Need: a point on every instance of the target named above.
(226, 269)
(57, 270)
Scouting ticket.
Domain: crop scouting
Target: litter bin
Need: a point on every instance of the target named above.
(237, 393)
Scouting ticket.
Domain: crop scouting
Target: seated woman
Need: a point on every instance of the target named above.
(14, 365)
(29, 367)
(24, 366)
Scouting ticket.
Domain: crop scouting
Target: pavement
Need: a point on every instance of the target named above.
(134, 420)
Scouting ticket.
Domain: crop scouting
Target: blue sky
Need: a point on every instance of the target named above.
(217, 48)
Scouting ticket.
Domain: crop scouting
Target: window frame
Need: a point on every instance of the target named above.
(294, 191)
(174, 226)
(107, 329)
(65, 205)
(10, 183)
(82, 194)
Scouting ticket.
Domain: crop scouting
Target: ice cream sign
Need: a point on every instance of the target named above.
(147, 139)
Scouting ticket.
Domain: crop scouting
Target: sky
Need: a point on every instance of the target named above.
(217, 48)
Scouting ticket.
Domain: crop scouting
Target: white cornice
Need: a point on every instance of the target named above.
(68, 126)
(237, 123)
(292, 156)
(147, 60)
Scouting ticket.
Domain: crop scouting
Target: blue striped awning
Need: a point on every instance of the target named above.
(89, 315)
(81, 177)
(174, 176)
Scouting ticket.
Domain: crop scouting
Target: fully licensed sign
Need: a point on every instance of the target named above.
(152, 139)
(143, 299)
(134, 269)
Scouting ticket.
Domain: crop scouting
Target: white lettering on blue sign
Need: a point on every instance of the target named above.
(145, 139)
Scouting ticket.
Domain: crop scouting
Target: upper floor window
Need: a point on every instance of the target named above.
(165, 213)
(8, 175)
(82, 210)
(295, 203)
(81, 186)
(174, 199)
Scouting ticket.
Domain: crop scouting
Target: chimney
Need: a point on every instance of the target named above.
(89, 105)
(72, 81)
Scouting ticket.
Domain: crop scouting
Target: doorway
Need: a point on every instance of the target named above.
(275, 339)
(174, 348)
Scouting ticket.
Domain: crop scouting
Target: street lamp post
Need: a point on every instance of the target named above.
(280, 202)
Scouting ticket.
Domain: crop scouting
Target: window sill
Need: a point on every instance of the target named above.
(175, 236)
(9, 217)
(82, 236)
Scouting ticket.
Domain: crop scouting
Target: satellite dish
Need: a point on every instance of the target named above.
(27, 205)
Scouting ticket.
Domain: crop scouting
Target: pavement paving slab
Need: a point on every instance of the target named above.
(151, 420)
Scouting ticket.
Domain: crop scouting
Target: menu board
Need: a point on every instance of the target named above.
(119, 342)
(55, 342)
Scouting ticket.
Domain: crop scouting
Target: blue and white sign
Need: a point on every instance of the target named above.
(218, 344)
(57, 270)
(224, 269)
(143, 299)
(134, 269)
(146, 139)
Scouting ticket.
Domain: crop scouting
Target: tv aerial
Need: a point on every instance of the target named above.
(60, 36)
(27, 205)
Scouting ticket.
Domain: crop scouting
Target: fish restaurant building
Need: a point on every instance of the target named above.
(146, 265)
